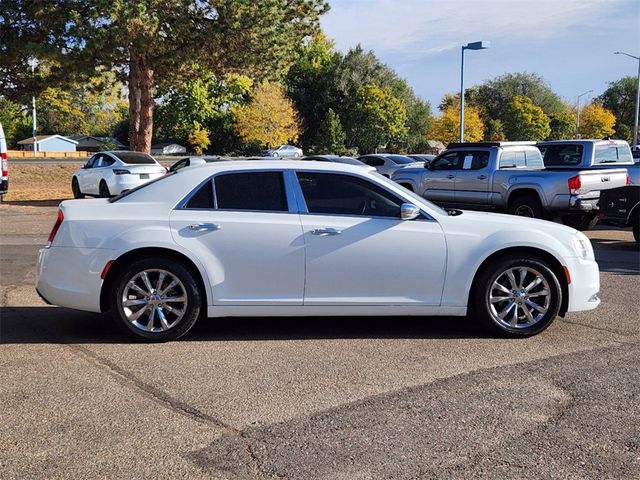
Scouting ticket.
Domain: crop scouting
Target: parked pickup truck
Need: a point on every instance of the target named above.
(621, 207)
(4, 174)
(510, 176)
(589, 154)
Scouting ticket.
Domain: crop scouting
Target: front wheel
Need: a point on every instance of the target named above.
(156, 299)
(517, 296)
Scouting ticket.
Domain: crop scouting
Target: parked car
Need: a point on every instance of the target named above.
(337, 159)
(304, 239)
(111, 173)
(195, 161)
(387, 164)
(422, 157)
(589, 154)
(283, 151)
(4, 165)
(511, 177)
(621, 207)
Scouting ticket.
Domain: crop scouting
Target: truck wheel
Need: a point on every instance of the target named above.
(584, 221)
(517, 296)
(527, 206)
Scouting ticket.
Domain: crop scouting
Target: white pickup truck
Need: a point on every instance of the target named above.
(511, 177)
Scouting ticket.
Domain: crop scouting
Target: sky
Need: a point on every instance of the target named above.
(569, 42)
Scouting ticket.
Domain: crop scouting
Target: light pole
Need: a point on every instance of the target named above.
(470, 46)
(33, 63)
(635, 122)
(578, 116)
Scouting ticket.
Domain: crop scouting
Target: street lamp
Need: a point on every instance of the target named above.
(470, 46)
(578, 116)
(635, 122)
(33, 63)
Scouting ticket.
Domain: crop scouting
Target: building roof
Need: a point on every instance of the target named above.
(165, 144)
(80, 138)
(44, 138)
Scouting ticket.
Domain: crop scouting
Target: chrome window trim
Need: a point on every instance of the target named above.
(305, 211)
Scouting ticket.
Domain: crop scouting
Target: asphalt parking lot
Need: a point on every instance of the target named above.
(315, 398)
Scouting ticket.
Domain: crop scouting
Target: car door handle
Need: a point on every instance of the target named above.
(451, 177)
(482, 177)
(204, 227)
(325, 232)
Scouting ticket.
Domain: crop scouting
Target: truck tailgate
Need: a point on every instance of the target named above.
(594, 181)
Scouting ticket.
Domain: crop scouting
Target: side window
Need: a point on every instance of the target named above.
(203, 198)
(334, 194)
(372, 161)
(534, 159)
(521, 161)
(251, 191)
(97, 162)
(107, 161)
(508, 159)
(448, 161)
(475, 160)
(562, 155)
(92, 162)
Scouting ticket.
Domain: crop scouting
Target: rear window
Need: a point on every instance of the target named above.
(562, 155)
(612, 154)
(400, 159)
(135, 158)
(251, 191)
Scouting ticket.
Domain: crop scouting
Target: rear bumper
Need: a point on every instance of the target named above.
(585, 284)
(78, 287)
(127, 182)
(574, 203)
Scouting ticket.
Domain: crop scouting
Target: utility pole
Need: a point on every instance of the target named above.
(470, 46)
(32, 63)
(578, 113)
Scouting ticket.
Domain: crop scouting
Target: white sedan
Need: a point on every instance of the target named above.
(111, 173)
(306, 239)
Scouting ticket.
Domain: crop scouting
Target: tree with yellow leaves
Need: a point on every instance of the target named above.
(199, 138)
(596, 122)
(269, 119)
(446, 127)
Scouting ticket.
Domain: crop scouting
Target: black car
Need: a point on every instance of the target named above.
(621, 207)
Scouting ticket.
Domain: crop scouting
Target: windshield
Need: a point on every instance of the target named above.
(126, 193)
(400, 159)
(417, 198)
(135, 158)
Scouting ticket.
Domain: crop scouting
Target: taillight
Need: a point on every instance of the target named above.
(628, 181)
(55, 228)
(5, 164)
(574, 185)
(119, 171)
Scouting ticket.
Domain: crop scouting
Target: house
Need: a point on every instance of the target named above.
(434, 147)
(88, 143)
(49, 143)
(167, 148)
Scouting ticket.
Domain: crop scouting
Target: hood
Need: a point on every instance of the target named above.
(503, 220)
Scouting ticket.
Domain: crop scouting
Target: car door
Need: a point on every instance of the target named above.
(86, 177)
(241, 227)
(472, 180)
(358, 250)
(438, 182)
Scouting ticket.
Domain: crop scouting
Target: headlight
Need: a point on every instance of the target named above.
(582, 247)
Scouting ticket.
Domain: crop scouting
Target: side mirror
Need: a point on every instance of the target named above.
(408, 211)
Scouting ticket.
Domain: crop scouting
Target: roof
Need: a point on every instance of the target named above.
(279, 165)
(583, 141)
(79, 138)
(489, 144)
(43, 138)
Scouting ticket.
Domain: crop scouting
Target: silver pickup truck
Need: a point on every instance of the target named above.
(589, 155)
(510, 176)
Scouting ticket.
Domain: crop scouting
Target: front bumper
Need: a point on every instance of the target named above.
(70, 277)
(585, 284)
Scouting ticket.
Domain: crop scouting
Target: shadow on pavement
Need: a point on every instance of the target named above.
(617, 256)
(25, 325)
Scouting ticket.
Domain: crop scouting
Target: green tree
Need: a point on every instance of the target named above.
(269, 119)
(596, 122)
(493, 131)
(620, 99)
(563, 126)
(378, 118)
(14, 121)
(623, 132)
(150, 42)
(330, 136)
(523, 120)
(198, 138)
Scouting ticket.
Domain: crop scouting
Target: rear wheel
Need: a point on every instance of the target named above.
(580, 221)
(636, 231)
(517, 296)
(156, 299)
(75, 188)
(527, 206)
(104, 189)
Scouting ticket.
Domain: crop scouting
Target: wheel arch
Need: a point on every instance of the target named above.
(135, 254)
(633, 214)
(555, 264)
(523, 191)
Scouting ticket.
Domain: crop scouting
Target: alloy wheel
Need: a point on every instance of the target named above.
(524, 211)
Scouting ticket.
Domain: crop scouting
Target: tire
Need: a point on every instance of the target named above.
(491, 312)
(104, 190)
(581, 221)
(407, 186)
(75, 188)
(527, 206)
(140, 324)
(296, 155)
(636, 231)
(275, 155)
